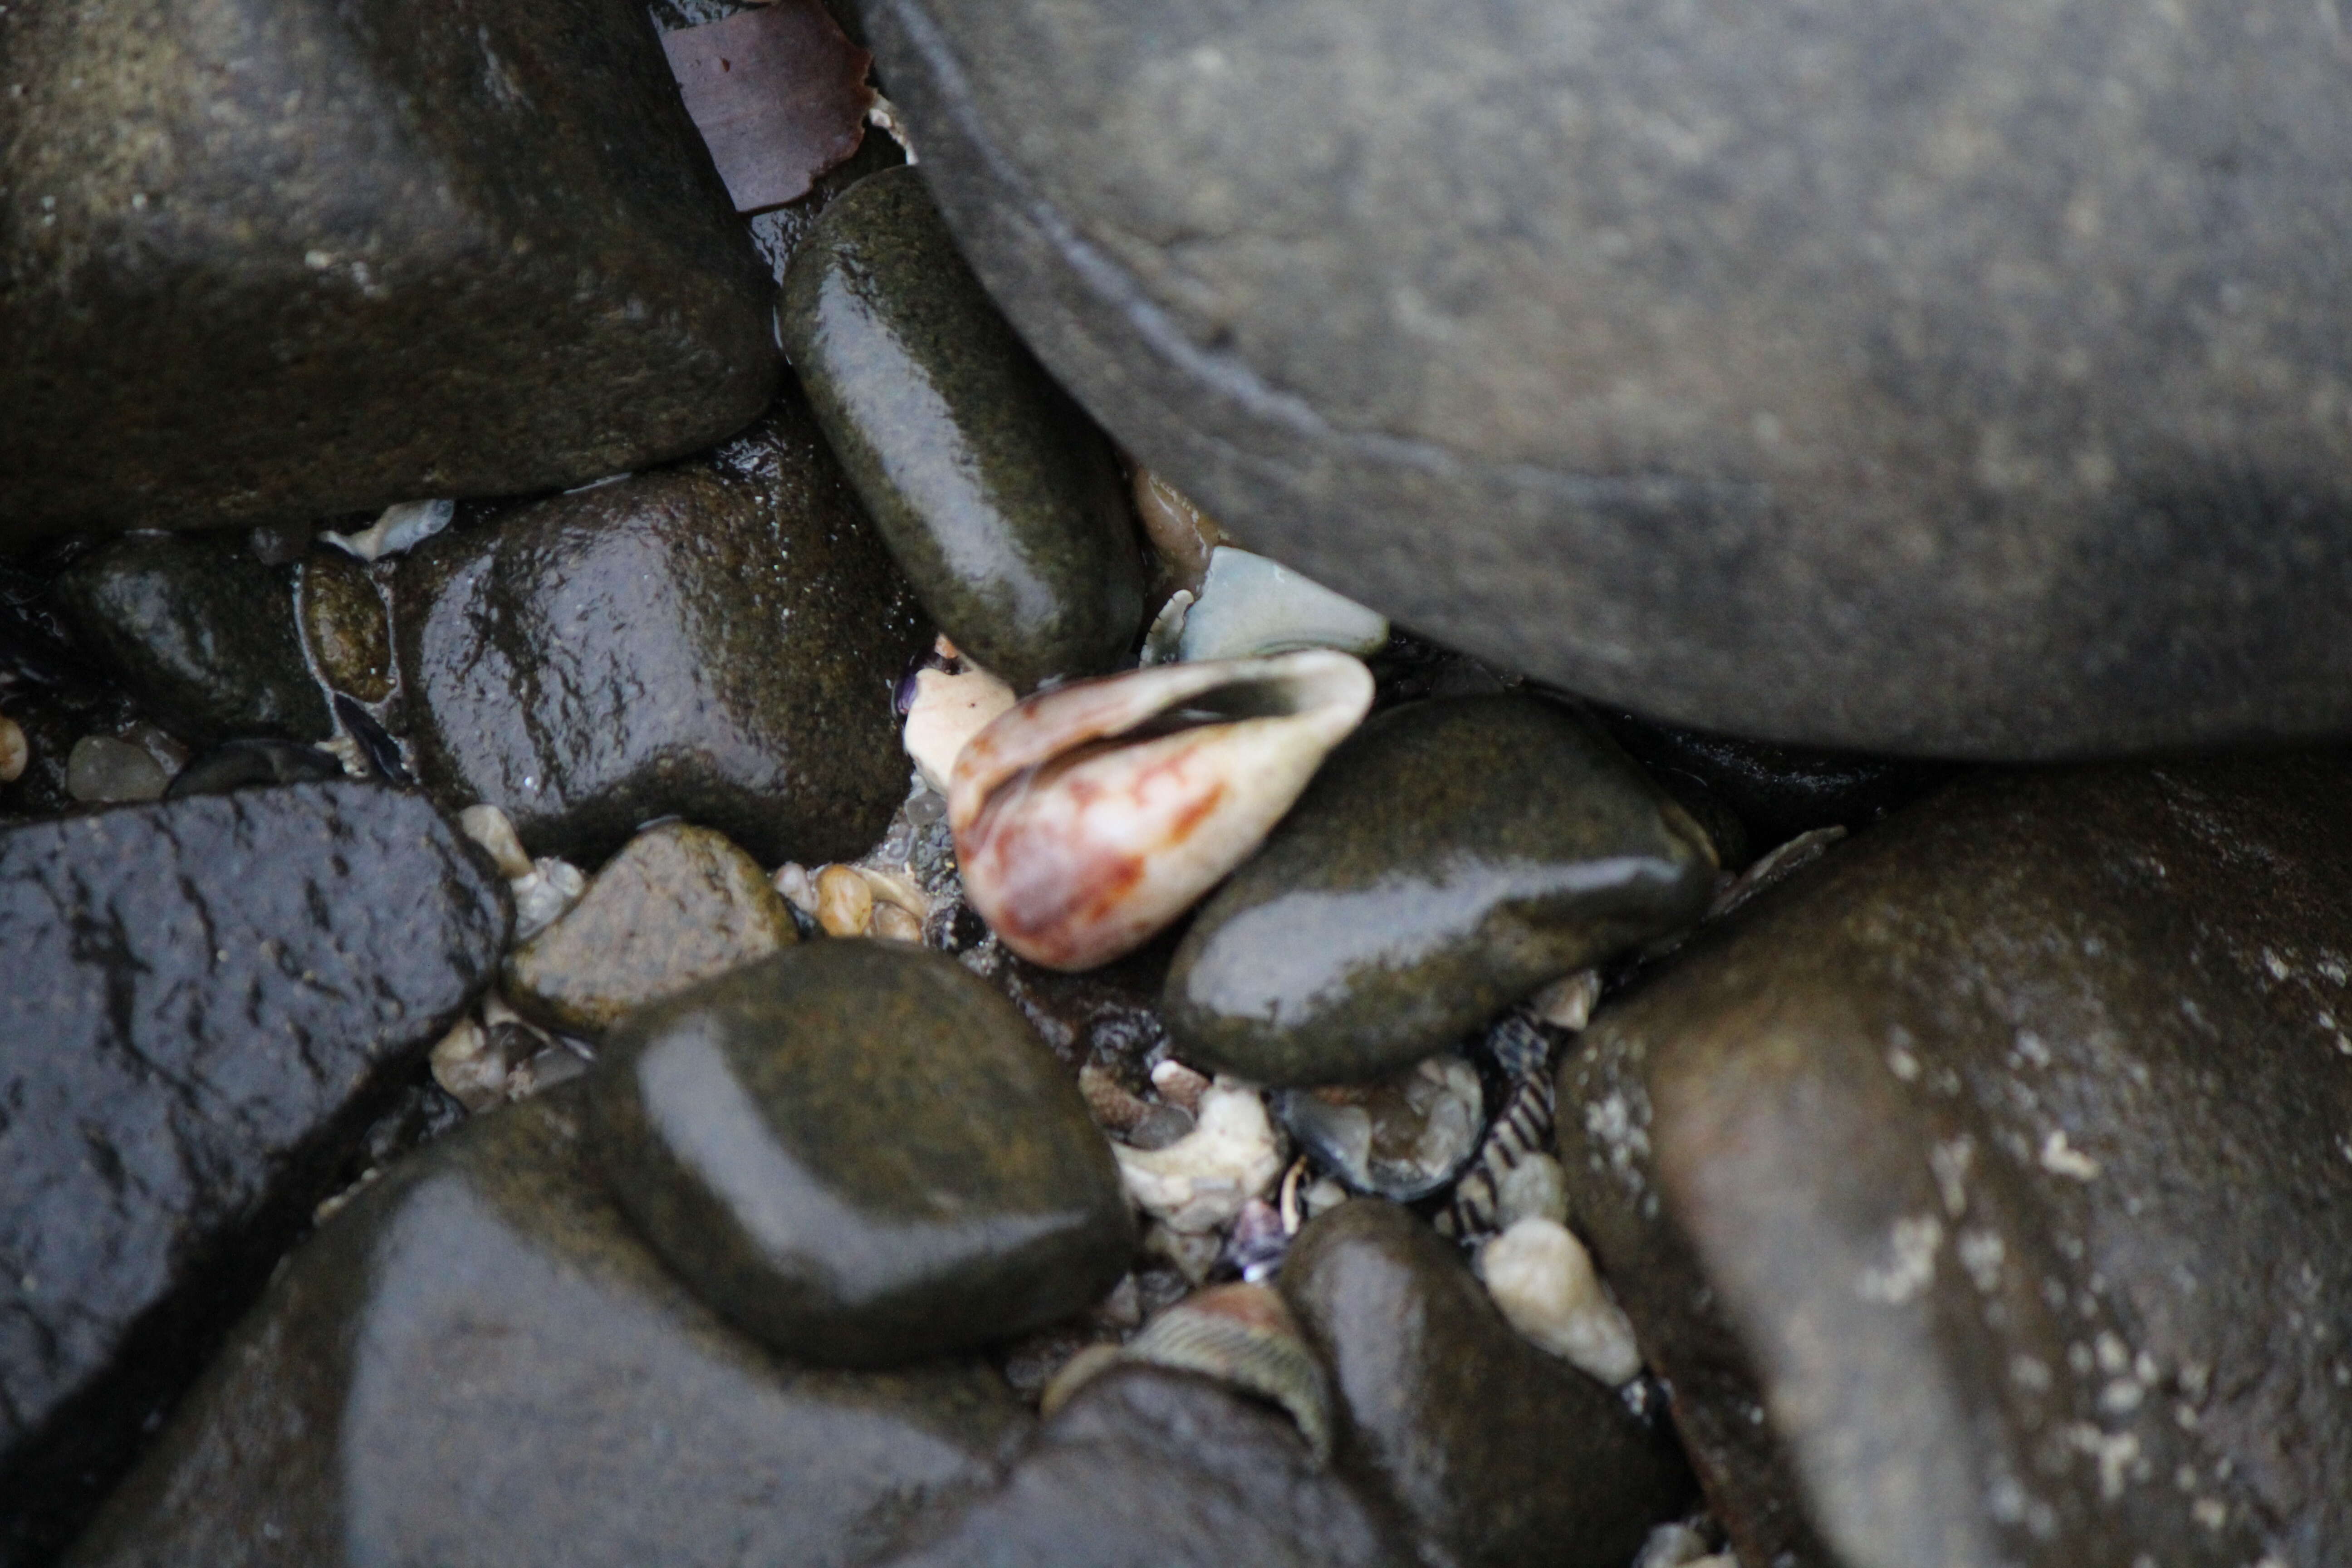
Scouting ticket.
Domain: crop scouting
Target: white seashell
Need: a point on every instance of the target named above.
(1244, 1335)
(1250, 605)
(401, 527)
(948, 710)
(1201, 1181)
(1672, 1546)
(545, 896)
(1567, 1003)
(1088, 817)
(495, 832)
(1542, 1279)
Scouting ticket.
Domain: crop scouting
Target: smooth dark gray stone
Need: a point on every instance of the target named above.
(282, 259)
(1151, 1469)
(1985, 1195)
(208, 1001)
(1970, 379)
(719, 640)
(478, 1364)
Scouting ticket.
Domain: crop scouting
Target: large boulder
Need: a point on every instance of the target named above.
(267, 259)
(208, 999)
(1966, 379)
(1985, 1191)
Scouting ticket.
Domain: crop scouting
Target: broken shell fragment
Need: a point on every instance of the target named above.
(1182, 534)
(1250, 605)
(1202, 1180)
(1541, 1278)
(1088, 817)
(1244, 1335)
(947, 712)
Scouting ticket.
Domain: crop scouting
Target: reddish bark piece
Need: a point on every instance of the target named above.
(779, 93)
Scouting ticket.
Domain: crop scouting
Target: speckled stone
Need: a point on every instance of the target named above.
(1452, 856)
(287, 260)
(858, 1152)
(1499, 1454)
(999, 498)
(345, 625)
(1982, 1193)
(678, 904)
(200, 632)
(1961, 379)
(1151, 1469)
(478, 1364)
(245, 765)
(209, 1000)
(719, 641)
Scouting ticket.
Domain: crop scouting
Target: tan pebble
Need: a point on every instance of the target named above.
(468, 1068)
(16, 751)
(844, 900)
(495, 832)
(896, 888)
(948, 710)
(1182, 534)
(1541, 1278)
(892, 924)
(1567, 1003)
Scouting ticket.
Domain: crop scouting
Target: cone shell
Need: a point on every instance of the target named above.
(1245, 1335)
(1088, 817)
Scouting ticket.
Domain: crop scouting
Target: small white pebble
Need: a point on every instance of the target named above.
(1201, 1181)
(545, 896)
(948, 710)
(798, 887)
(1180, 1084)
(1535, 1188)
(400, 527)
(1542, 1279)
(494, 830)
(1672, 1546)
(468, 1068)
(1567, 1003)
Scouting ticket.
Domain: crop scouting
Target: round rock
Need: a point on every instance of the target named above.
(1452, 855)
(859, 1152)
(999, 498)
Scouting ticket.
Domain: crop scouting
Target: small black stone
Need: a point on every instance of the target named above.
(242, 764)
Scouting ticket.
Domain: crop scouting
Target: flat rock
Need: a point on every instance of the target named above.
(1150, 1469)
(1452, 856)
(998, 495)
(265, 260)
(1829, 375)
(858, 1152)
(1499, 1454)
(209, 998)
(477, 1365)
(676, 905)
(1981, 1192)
(719, 641)
(200, 633)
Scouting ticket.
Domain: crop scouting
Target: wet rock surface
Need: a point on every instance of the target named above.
(201, 632)
(678, 904)
(858, 1152)
(716, 640)
(211, 998)
(1497, 1453)
(479, 1363)
(242, 309)
(1894, 408)
(1002, 502)
(1451, 858)
(242, 764)
(1151, 1469)
(345, 625)
(1978, 1192)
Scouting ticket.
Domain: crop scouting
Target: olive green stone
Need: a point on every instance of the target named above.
(719, 641)
(1984, 1192)
(344, 618)
(858, 1152)
(676, 905)
(1499, 1454)
(997, 494)
(267, 260)
(478, 1364)
(1452, 856)
(200, 632)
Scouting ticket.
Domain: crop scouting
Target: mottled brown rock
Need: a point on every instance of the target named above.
(282, 259)
(676, 905)
(1983, 1192)
(1497, 1453)
(1966, 378)
(345, 625)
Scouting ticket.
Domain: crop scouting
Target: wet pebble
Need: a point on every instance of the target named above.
(860, 1153)
(1401, 1137)
(1180, 535)
(1249, 606)
(102, 769)
(1452, 858)
(679, 904)
(997, 494)
(346, 625)
(16, 750)
(1542, 1279)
